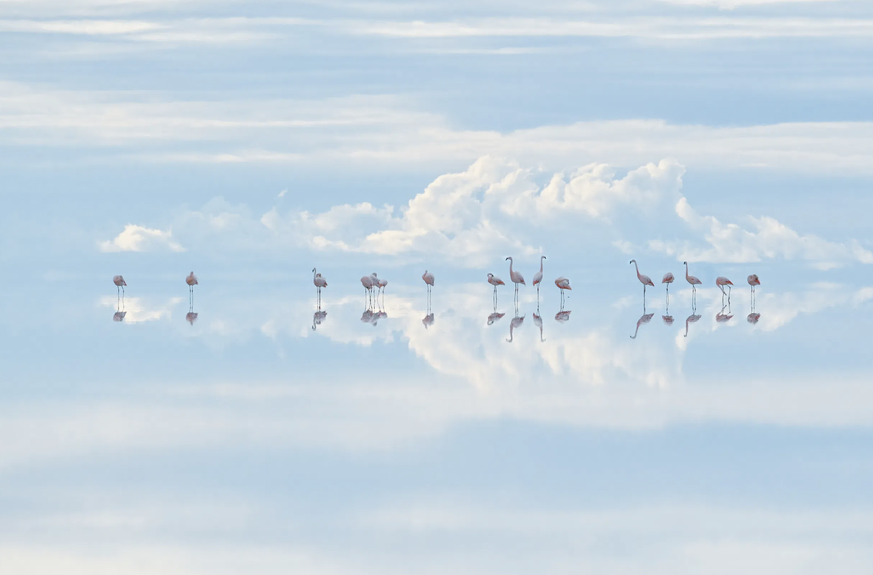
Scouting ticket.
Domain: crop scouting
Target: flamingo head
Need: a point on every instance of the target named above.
(490, 276)
(508, 258)
(313, 270)
(632, 262)
(542, 257)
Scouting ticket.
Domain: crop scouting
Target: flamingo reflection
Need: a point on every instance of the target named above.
(668, 319)
(428, 320)
(693, 318)
(377, 316)
(515, 323)
(563, 316)
(317, 318)
(494, 317)
(538, 321)
(644, 319)
(722, 317)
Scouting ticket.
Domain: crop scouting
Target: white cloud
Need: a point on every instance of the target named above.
(391, 130)
(136, 238)
(496, 207)
(767, 238)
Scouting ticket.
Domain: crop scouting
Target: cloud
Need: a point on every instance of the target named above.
(766, 238)
(363, 131)
(136, 238)
(496, 207)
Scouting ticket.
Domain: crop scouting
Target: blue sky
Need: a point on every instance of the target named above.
(252, 141)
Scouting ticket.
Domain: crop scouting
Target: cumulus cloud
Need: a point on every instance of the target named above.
(764, 238)
(136, 238)
(497, 206)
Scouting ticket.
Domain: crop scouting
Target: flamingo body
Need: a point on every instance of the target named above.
(495, 281)
(191, 280)
(668, 278)
(427, 277)
(119, 281)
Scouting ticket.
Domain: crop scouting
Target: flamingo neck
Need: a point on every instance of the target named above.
(541, 265)
(636, 267)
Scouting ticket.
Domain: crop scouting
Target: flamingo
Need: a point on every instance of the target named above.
(693, 281)
(538, 277)
(495, 281)
(753, 282)
(722, 317)
(645, 318)
(382, 285)
(319, 282)
(644, 279)
(120, 283)
(563, 316)
(428, 279)
(668, 279)
(515, 277)
(563, 283)
(191, 280)
(191, 317)
(723, 282)
(428, 320)
(516, 322)
(753, 318)
(367, 282)
(119, 316)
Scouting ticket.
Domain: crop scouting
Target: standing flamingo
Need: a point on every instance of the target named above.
(382, 285)
(563, 283)
(753, 282)
(723, 282)
(120, 283)
(538, 277)
(367, 282)
(191, 280)
(694, 283)
(668, 279)
(495, 281)
(319, 282)
(644, 279)
(428, 279)
(515, 277)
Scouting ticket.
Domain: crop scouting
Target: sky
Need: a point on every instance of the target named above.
(610, 432)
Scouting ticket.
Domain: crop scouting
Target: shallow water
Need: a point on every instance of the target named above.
(268, 435)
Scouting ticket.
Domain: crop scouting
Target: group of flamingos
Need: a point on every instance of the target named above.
(374, 287)
(721, 282)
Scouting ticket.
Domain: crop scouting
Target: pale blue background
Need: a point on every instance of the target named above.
(251, 443)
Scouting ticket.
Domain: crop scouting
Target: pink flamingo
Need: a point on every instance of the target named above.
(538, 277)
(495, 281)
(563, 283)
(367, 282)
(428, 279)
(694, 283)
(644, 279)
(120, 283)
(753, 282)
(668, 279)
(191, 280)
(723, 282)
(722, 317)
(319, 282)
(753, 318)
(515, 277)
(563, 316)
